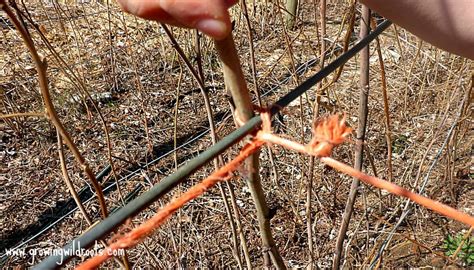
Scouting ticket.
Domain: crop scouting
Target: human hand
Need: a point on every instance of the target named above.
(209, 16)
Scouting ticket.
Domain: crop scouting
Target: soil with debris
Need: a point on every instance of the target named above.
(110, 71)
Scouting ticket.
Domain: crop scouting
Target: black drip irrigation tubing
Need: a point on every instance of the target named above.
(50, 218)
(19, 238)
(107, 225)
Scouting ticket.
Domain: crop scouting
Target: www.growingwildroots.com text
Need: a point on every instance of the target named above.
(77, 251)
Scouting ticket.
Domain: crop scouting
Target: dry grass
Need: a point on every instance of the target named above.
(132, 71)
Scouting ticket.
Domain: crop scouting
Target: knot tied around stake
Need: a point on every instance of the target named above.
(328, 132)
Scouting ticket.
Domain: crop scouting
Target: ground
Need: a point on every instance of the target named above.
(154, 113)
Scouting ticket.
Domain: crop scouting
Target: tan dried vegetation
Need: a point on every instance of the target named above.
(100, 59)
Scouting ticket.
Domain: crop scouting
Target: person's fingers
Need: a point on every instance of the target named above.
(147, 9)
(230, 3)
(211, 16)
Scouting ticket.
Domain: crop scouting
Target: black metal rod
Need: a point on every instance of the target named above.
(134, 207)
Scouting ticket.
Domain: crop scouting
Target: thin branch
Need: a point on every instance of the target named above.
(461, 244)
(361, 129)
(319, 90)
(41, 67)
(27, 114)
(199, 77)
(76, 198)
(386, 110)
(115, 85)
(68, 181)
(80, 85)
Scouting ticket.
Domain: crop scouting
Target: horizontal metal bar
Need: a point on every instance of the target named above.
(131, 209)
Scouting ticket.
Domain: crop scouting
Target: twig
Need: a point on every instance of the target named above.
(412, 66)
(347, 38)
(294, 75)
(175, 118)
(361, 129)
(461, 244)
(115, 85)
(198, 79)
(27, 114)
(68, 181)
(386, 109)
(198, 75)
(75, 196)
(243, 5)
(317, 102)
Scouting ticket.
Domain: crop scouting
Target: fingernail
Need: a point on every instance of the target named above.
(214, 28)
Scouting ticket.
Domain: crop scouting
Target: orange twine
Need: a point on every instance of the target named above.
(327, 133)
(136, 235)
(330, 132)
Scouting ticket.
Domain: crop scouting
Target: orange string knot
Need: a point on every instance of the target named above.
(266, 121)
(328, 132)
(264, 114)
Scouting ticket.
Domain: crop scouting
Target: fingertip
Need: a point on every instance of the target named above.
(150, 10)
(230, 3)
(214, 28)
(126, 5)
